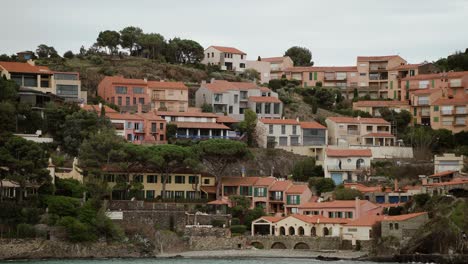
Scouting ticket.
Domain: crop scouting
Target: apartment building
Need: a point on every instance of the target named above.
(66, 85)
(385, 195)
(341, 76)
(373, 107)
(396, 74)
(347, 165)
(128, 93)
(348, 131)
(262, 67)
(228, 58)
(278, 65)
(374, 73)
(352, 210)
(232, 98)
(448, 162)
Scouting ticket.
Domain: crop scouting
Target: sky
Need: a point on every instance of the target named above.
(335, 31)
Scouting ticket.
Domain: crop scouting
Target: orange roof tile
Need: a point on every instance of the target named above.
(406, 67)
(452, 101)
(95, 108)
(297, 189)
(24, 67)
(271, 219)
(311, 125)
(200, 125)
(335, 204)
(229, 50)
(265, 89)
(279, 121)
(188, 114)
(123, 116)
(226, 119)
(323, 69)
(125, 81)
(280, 186)
(220, 202)
(437, 76)
(363, 188)
(454, 181)
(443, 173)
(320, 219)
(208, 189)
(380, 103)
(388, 135)
(376, 58)
(239, 181)
(150, 116)
(273, 59)
(264, 99)
(356, 120)
(402, 217)
(223, 86)
(167, 85)
(348, 152)
(265, 181)
(425, 91)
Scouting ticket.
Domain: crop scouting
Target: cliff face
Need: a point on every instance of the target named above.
(41, 249)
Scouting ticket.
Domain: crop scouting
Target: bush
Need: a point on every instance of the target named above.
(62, 205)
(421, 199)
(31, 215)
(25, 231)
(70, 187)
(69, 54)
(274, 84)
(96, 60)
(347, 194)
(217, 223)
(106, 227)
(235, 221)
(207, 108)
(321, 184)
(77, 231)
(238, 229)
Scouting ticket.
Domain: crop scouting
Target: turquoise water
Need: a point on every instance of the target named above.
(191, 261)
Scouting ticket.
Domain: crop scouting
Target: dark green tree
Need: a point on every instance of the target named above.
(153, 45)
(305, 169)
(8, 90)
(129, 37)
(184, 51)
(248, 126)
(43, 51)
(321, 184)
(342, 193)
(110, 40)
(300, 56)
(69, 55)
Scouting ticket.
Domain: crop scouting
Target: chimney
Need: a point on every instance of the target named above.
(145, 79)
(31, 62)
(423, 179)
(297, 119)
(395, 185)
(203, 82)
(212, 80)
(139, 107)
(162, 80)
(358, 208)
(358, 117)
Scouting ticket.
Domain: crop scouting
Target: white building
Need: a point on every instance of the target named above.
(448, 162)
(348, 165)
(232, 98)
(228, 58)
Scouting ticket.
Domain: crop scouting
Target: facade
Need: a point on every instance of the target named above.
(351, 210)
(278, 65)
(347, 165)
(227, 58)
(373, 107)
(160, 95)
(444, 183)
(262, 67)
(360, 229)
(448, 162)
(348, 131)
(233, 98)
(403, 227)
(384, 195)
(395, 75)
(66, 85)
(342, 77)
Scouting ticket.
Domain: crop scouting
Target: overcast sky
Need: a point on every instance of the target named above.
(335, 31)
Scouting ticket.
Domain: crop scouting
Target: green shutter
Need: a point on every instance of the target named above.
(298, 199)
(391, 84)
(256, 192)
(264, 192)
(436, 119)
(305, 84)
(415, 111)
(407, 84)
(310, 76)
(315, 76)
(250, 190)
(288, 199)
(433, 83)
(436, 108)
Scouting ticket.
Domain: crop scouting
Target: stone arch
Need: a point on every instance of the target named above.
(313, 231)
(291, 231)
(282, 231)
(326, 232)
(301, 245)
(278, 245)
(300, 231)
(258, 245)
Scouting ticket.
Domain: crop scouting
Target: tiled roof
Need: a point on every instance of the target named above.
(123, 116)
(388, 135)
(348, 152)
(297, 189)
(382, 103)
(332, 204)
(437, 76)
(264, 89)
(208, 189)
(402, 217)
(311, 125)
(264, 99)
(223, 86)
(95, 108)
(406, 67)
(188, 114)
(226, 119)
(365, 221)
(454, 181)
(425, 91)
(280, 186)
(24, 67)
(452, 101)
(320, 219)
(125, 81)
(265, 181)
(323, 69)
(356, 120)
(151, 116)
(273, 59)
(223, 201)
(167, 85)
(229, 50)
(443, 173)
(200, 125)
(271, 219)
(376, 58)
(363, 188)
(278, 121)
(239, 181)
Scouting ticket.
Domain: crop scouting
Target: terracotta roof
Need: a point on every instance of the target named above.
(454, 181)
(273, 59)
(226, 119)
(265, 89)
(188, 114)
(437, 76)
(443, 173)
(388, 135)
(376, 58)
(206, 125)
(24, 67)
(323, 69)
(426, 91)
(452, 101)
(311, 125)
(123, 116)
(265, 181)
(348, 152)
(271, 219)
(297, 188)
(320, 219)
(264, 99)
(356, 120)
(365, 221)
(335, 204)
(125, 81)
(363, 188)
(208, 189)
(229, 50)
(95, 108)
(410, 187)
(406, 67)
(239, 181)
(150, 116)
(223, 86)
(167, 85)
(280, 186)
(402, 217)
(279, 121)
(382, 103)
(219, 202)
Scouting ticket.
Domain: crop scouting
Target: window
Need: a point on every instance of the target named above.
(242, 56)
(270, 129)
(230, 109)
(242, 65)
(129, 137)
(191, 195)
(168, 177)
(138, 178)
(169, 194)
(311, 76)
(121, 90)
(236, 98)
(206, 181)
(369, 128)
(260, 192)
(65, 76)
(70, 91)
(423, 84)
(352, 229)
(208, 55)
(141, 100)
(396, 226)
(179, 194)
(349, 215)
(243, 95)
(258, 108)
(218, 98)
(138, 90)
(362, 74)
(119, 100)
(294, 130)
(436, 108)
(153, 127)
(150, 194)
(293, 199)
(423, 100)
(109, 178)
(161, 126)
(134, 100)
(460, 120)
(276, 108)
(245, 190)
(212, 54)
(127, 100)
(447, 121)
(179, 179)
(391, 226)
(152, 178)
(267, 108)
(193, 179)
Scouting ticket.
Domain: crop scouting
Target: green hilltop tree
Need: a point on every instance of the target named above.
(43, 51)
(153, 44)
(184, 51)
(129, 37)
(300, 56)
(110, 40)
(248, 126)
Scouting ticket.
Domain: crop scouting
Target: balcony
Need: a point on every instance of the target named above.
(353, 132)
(459, 123)
(347, 168)
(158, 97)
(425, 113)
(275, 199)
(457, 83)
(447, 112)
(423, 102)
(460, 111)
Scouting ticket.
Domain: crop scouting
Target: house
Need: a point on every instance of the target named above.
(349, 131)
(347, 165)
(262, 67)
(403, 227)
(233, 98)
(227, 58)
(347, 209)
(385, 195)
(448, 162)
(278, 65)
(296, 195)
(66, 85)
(396, 74)
(373, 107)
(361, 229)
(444, 183)
(128, 93)
(342, 76)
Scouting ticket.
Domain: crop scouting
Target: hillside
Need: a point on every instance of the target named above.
(303, 111)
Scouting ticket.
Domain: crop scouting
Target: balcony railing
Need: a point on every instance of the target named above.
(460, 111)
(274, 198)
(425, 113)
(423, 102)
(353, 132)
(459, 123)
(204, 137)
(447, 112)
(346, 168)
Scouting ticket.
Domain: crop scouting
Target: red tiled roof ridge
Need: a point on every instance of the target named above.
(380, 103)
(332, 152)
(267, 99)
(429, 76)
(322, 68)
(402, 217)
(279, 121)
(229, 49)
(361, 120)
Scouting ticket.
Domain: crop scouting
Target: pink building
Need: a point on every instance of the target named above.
(342, 209)
(345, 76)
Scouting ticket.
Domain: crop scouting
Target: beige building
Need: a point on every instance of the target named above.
(403, 227)
(342, 76)
(448, 162)
(278, 65)
(40, 78)
(346, 131)
(347, 165)
(227, 58)
(373, 107)
(262, 67)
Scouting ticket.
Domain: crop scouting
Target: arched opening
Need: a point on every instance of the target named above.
(292, 231)
(278, 245)
(325, 232)
(359, 163)
(301, 245)
(282, 231)
(300, 231)
(313, 231)
(257, 245)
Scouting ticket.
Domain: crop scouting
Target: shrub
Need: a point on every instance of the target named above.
(106, 227)
(274, 84)
(421, 199)
(31, 215)
(77, 231)
(25, 230)
(62, 205)
(207, 108)
(321, 184)
(347, 194)
(96, 60)
(70, 187)
(69, 54)
(238, 229)
(217, 223)
(235, 221)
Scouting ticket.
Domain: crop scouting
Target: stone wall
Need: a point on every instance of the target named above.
(206, 219)
(217, 243)
(406, 229)
(164, 220)
(294, 242)
(204, 231)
